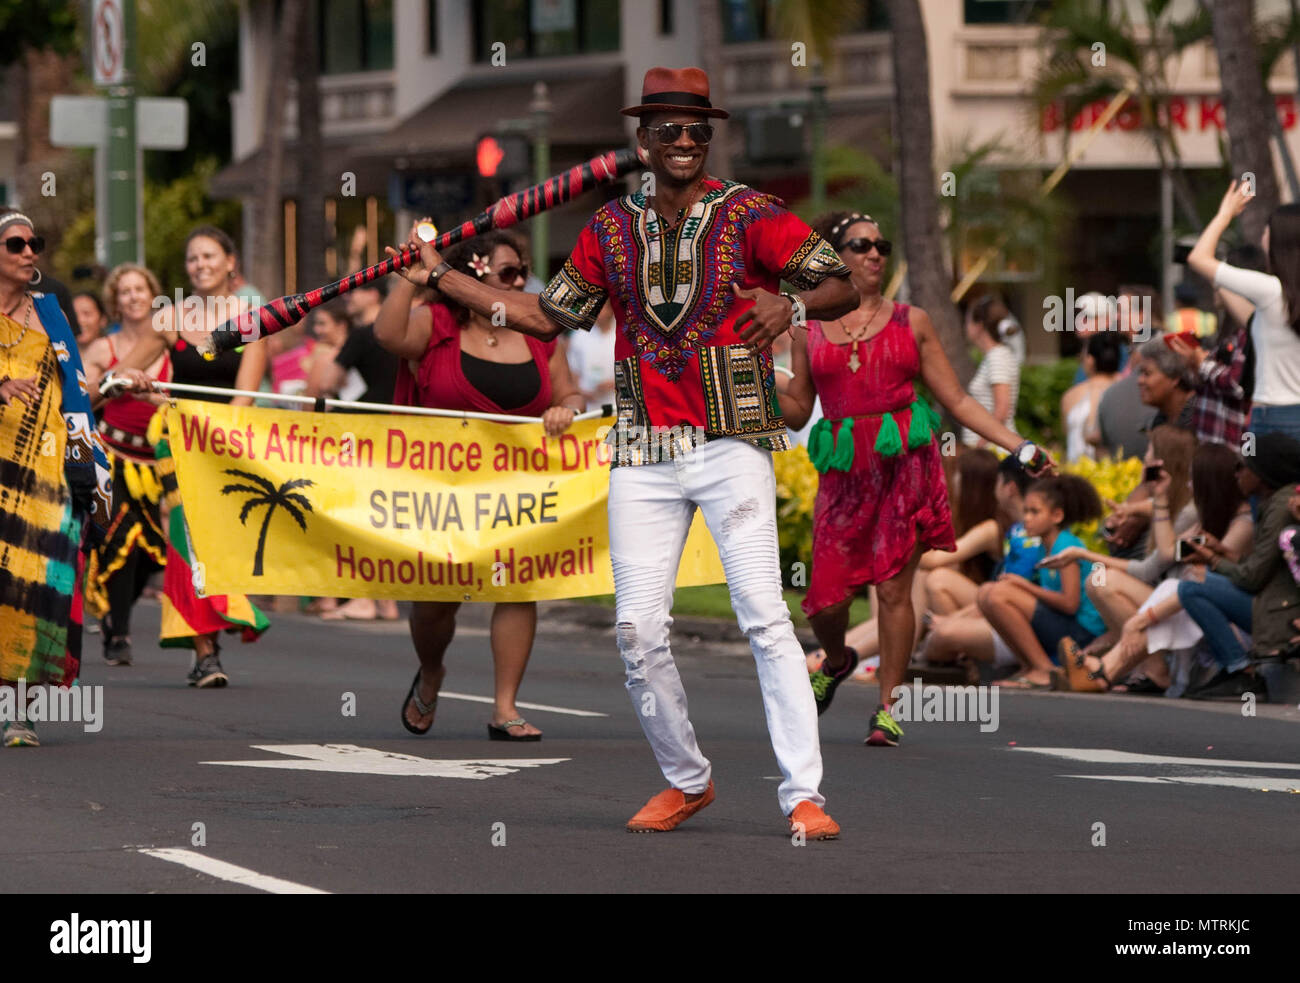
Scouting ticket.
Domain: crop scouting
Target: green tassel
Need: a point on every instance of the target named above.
(820, 445)
(919, 433)
(842, 459)
(889, 443)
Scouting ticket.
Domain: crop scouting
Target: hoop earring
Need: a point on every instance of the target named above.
(36, 278)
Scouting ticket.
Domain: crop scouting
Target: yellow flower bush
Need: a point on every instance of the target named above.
(1114, 480)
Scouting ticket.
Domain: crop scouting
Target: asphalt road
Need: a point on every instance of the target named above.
(952, 810)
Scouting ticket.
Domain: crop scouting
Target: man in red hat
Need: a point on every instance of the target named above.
(692, 269)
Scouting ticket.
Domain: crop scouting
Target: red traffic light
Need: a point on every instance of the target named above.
(488, 156)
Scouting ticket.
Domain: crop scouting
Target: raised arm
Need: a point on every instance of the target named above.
(1202, 259)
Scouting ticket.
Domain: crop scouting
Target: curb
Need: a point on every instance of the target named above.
(697, 629)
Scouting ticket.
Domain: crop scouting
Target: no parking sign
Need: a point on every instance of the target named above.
(107, 41)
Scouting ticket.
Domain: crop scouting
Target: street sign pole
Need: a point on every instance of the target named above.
(541, 109)
(123, 244)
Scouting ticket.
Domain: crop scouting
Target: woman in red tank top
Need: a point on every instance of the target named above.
(135, 547)
(881, 501)
(454, 359)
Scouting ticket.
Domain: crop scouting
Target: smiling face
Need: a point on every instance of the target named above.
(680, 163)
(507, 269)
(867, 269)
(90, 323)
(208, 266)
(134, 298)
(1154, 386)
(18, 268)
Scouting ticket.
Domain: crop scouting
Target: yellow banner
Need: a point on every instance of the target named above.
(404, 507)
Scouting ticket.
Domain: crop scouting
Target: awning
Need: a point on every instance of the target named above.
(442, 134)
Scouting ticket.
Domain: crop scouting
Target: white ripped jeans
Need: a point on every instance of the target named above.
(650, 511)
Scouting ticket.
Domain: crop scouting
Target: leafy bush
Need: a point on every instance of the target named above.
(796, 493)
(1038, 407)
(1114, 480)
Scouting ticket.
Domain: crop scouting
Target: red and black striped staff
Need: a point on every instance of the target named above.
(287, 311)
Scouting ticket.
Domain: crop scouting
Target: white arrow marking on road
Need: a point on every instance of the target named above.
(1108, 757)
(1263, 783)
(229, 872)
(368, 761)
(444, 695)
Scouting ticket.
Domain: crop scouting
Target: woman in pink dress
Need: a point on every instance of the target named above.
(881, 501)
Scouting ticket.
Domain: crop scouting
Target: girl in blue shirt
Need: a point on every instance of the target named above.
(1032, 616)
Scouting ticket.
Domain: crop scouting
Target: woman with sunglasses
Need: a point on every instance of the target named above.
(465, 362)
(191, 618)
(882, 500)
(55, 479)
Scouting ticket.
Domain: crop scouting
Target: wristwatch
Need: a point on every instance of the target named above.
(436, 274)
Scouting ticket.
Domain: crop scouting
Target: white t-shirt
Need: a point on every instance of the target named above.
(1277, 347)
(591, 359)
(998, 367)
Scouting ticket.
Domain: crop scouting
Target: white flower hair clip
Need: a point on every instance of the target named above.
(479, 264)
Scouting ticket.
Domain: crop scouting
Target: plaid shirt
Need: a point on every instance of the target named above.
(1221, 408)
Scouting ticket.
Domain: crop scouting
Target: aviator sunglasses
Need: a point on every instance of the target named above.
(16, 244)
(700, 133)
(882, 246)
(509, 274)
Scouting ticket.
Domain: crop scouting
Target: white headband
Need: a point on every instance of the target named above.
(15, 217)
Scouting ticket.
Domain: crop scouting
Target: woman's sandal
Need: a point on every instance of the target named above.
(501, 732)
(1077, 677)
(413, 696)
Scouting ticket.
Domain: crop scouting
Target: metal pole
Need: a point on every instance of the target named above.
(123, 174)
(1167, 241)
(541, 110)
(818, 173)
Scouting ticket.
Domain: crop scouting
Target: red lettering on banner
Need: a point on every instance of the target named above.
(1212, 112)
(218, 441)
(1285, 111)
(191, 433)
(1176, 107)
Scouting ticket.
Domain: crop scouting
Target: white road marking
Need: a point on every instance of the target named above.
(1108, 757)
(229, 872)
(367, 761)
(526, 706)
(1263, 783)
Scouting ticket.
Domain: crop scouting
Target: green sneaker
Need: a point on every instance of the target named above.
(19, 733)
(885, 731)
(824, 683)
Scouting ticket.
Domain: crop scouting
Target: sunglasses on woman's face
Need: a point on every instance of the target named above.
(882, 246)
(16, 244)
(700, 133)
(509, 274)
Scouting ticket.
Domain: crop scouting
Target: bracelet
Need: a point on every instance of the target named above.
(437, 273)
(799, 315)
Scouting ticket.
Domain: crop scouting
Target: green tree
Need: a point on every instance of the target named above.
(1095, 48)
(44, 25)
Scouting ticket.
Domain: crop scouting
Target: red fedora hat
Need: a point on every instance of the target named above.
(676, 90)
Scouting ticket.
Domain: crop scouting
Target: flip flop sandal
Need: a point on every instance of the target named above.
(413, 696)
(501, 732)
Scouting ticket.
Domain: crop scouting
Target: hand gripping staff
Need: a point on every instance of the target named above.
(287, 311)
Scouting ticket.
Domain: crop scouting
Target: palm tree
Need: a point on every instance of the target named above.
(1068, 78)
(928, 274)
(265, 493)
(1247, 106)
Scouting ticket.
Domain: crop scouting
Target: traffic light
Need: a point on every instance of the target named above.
(502, 156)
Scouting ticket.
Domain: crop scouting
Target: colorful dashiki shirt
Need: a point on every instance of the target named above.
(680, 365)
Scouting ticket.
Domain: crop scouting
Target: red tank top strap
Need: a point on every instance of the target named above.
(112, 350)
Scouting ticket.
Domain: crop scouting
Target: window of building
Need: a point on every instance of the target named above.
(355, 35)
(759, 20)
(545, 28)
(1003, 11)
(431, 18)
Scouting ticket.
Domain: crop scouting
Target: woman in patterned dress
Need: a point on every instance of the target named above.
(881, 501)
(54, 479)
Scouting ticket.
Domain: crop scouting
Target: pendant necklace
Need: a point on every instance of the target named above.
(854, 362)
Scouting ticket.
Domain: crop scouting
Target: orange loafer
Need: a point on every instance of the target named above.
(816, 825)
(668, 810)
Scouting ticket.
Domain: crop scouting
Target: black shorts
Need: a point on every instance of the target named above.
(1050, 626)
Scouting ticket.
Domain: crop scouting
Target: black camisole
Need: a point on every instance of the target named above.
(190, 367)
(508, 384)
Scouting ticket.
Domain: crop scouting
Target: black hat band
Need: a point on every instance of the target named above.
(677, 99)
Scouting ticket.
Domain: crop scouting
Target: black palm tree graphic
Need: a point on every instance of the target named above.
(265, 493)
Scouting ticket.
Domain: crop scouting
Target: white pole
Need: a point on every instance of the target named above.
(110, 384)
